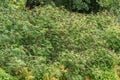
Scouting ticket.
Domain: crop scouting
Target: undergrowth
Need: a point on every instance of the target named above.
(51, 43)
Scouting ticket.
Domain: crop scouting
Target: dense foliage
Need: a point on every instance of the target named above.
(5, 76)
(81, 5)
(51, 43)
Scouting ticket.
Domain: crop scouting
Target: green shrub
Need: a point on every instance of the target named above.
(5, 76)
(13, 4)
(49, 42)
(103, 75)
(90, 5)
(80, 5)
(111, 5)
(112, 38)
(79, 65)
(44, 71)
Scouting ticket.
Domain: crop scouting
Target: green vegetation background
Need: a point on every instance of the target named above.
(53, 43)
